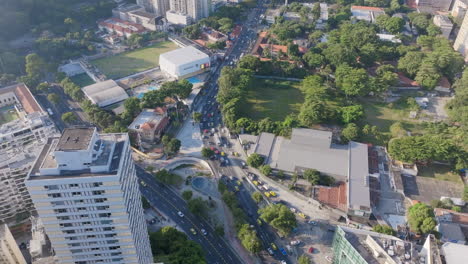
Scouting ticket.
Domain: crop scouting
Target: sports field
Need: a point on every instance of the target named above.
(7, 114)
(273, 98)
(134, 61)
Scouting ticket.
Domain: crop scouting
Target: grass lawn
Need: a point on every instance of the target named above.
(383, 115)
(7, 114)
(439, 172)
(273, 98)
(82, 80)
(134, 61)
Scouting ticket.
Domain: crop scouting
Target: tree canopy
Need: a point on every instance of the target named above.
(255, 160)
(172, 246)
(421, 218)
(280, 217)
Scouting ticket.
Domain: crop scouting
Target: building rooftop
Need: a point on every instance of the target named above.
(105, 93)
(147, 116)
(24, 96)
(378, 248)
(451, 231)
(183, 55)
(358, 180)
(106, 157)
(264, 143)
(75, 139)
(367, 8)
(309, 148)
(455, 253)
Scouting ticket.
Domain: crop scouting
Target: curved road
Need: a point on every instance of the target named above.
(167, 201)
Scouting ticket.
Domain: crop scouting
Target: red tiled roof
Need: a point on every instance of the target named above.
(123, 26)
(461, 218)
(147, 126)
(368, 8)
(200, 42)
(333, 196)
(444, 82)
(24, 96)
(405, 80)
(160, 110)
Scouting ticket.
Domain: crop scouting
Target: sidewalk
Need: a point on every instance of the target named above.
(232, 239)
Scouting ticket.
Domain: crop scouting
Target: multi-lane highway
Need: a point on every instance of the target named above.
(216, 250)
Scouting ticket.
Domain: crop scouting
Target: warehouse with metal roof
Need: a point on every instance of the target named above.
(184, 62)
(105, 93)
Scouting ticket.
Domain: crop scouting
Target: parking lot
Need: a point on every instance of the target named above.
(426, 189)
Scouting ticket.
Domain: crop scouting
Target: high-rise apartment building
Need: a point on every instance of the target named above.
(461, 42)
(9, 250)
(85, 190)
(196, 9)
(24, 128)
(157, 7)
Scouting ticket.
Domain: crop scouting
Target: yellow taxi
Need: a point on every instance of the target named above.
(272, 193)
(267, 194)
(255, 182)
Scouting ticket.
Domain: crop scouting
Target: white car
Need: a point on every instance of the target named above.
(295, 242)
(180, 214)
(329, 259)
(203, 231)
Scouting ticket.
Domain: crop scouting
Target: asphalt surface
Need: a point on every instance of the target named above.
(168, 202)
(66, 104)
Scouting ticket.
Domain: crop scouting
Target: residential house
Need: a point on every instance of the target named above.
(121, 27)
(454, 253)
(451, 225)
(149, 125)
(271, 15)
(405, 83)
(366, 13)
(443, 85)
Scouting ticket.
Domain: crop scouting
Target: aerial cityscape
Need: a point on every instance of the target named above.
(234, 132)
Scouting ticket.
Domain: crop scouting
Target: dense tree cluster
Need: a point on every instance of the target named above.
(280, 217)
(169, 245)
(421, 218)
(247, 236)
(255, 160)
(316, 178)
(384, 229)
(435, 60)
(458, 106)
(427, 148)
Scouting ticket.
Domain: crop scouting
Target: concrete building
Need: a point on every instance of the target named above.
(120, 27)
(24, 128)
(313, 149)
(196, 9)
(157, 7)
(366, 13)
(9, 250)
(271, 15)
(461, 42)
(444, 23)
(184, 62)
(359, 246)
(85, 190)
(432, 6)
(105, 93)
(149, 125)
(177, 18)
(459, 10)
(136, 14)
(454, 253)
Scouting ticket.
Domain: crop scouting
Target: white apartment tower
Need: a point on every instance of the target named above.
(85, 190)
(9, 250)
(22, 135)
(157, 7)
(196, 9)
